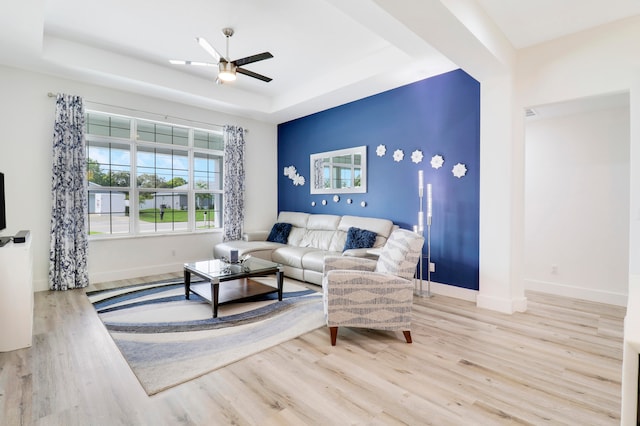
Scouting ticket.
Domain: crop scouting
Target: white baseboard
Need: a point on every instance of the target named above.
(592, 295)
(482, 301)
(124, 274)
(448, 290)
(40, 285)
(504, 305)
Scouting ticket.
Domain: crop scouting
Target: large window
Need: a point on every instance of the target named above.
(147, 177)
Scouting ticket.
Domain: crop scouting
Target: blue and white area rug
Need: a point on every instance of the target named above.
(168, 340)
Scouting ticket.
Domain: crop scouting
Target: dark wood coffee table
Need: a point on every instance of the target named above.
(237, 286)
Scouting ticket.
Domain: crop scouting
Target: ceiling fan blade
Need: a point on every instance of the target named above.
(200, 64)
(253, 58)
(210, 50)
(253, 74)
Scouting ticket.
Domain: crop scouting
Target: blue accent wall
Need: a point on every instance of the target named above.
(439, 116)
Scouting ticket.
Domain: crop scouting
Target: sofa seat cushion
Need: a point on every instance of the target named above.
(290, 255)
(314, 260)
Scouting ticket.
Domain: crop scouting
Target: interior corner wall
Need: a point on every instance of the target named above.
(577, 205)
(25, 158)
(437, 116)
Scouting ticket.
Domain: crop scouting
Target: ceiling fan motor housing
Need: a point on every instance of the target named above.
(226, 71)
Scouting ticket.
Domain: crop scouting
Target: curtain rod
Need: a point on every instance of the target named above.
(165, 116)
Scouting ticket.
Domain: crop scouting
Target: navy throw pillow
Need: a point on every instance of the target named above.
(359, 238)
(279, 233)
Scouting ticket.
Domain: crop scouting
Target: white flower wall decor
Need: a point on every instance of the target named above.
(398, 155)
(417, 156)
(381, 150)
(298, 180)
(459, 170)
(292, 174)
(437, 161)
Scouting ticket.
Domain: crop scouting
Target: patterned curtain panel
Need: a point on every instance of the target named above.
(233, 205)
(68, 252)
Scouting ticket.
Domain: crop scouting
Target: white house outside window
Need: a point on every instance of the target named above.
(177, 170)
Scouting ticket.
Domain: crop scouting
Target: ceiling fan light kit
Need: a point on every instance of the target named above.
(227, 68)
(226, 71)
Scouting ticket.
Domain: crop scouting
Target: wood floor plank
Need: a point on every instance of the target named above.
(558, 363)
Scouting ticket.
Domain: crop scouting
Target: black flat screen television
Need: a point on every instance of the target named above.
(3, 212)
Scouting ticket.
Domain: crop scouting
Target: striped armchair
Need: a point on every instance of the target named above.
(366, 293)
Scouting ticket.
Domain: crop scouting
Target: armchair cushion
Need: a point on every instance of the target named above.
(347, 262)
(400, 254)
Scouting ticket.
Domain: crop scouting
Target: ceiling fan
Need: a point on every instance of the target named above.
(227, 68)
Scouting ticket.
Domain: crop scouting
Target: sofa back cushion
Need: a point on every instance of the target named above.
(298, 223)
(320, 231)
(329, 232)
(382, 227)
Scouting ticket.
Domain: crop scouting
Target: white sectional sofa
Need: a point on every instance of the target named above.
(312, 237)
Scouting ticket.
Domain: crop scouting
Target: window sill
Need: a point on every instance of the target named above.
(93, 238)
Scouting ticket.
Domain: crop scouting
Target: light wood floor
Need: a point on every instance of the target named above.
(558, 363)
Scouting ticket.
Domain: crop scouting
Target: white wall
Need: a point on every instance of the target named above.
(25, 158)
(577, 205)
(501, 208)
(592, 63)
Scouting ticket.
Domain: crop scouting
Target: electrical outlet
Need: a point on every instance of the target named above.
(173, 253)
(554, 269)
(432, 267)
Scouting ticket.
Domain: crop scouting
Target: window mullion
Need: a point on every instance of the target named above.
(133, 194)
(191, 198)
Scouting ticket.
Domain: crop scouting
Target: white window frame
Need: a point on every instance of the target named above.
(191, 150)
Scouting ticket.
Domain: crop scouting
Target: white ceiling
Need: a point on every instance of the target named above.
(530, 22)
(326, 52)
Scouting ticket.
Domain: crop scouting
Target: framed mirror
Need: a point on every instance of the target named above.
(341, 171)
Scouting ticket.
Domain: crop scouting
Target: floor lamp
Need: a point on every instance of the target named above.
(429, 214)
(420, 229)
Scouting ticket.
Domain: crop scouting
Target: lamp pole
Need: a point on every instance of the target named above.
(420, 228)
(429, 215)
